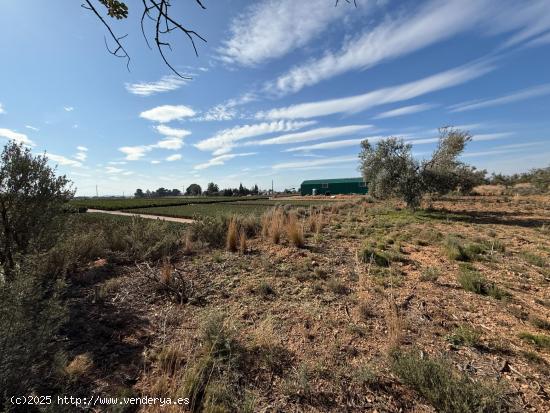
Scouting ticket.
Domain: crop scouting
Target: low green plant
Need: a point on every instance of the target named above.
(534, 259)
(472, 280)
(539, 340)
(446, 389)
(430, 274)
(464, 336)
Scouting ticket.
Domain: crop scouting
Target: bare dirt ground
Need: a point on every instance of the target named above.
(316, 325)
(129, 214)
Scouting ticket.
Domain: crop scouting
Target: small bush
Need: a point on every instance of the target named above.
(265, 290)
(473, 281)
(446, 389)
(337, 286)
(464, 335)
(430, 274)
(539, 340)
(369, 254)
(210, 230)
(540, 323)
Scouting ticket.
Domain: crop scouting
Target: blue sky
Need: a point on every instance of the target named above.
(283, 90)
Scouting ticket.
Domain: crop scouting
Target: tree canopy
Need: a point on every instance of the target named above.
(390, 169)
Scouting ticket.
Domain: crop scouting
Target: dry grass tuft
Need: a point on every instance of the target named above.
(188, 244)
(242, 242)
(295, 232)
(79, 366)
(232, 235)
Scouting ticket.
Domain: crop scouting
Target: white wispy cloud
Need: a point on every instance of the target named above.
(311, 135)
(540, 41)
(62, 160)
(226, 110)
(118, 163)
(155, 162)
(221, 160)
(2, 110)
(524, 19)
(169, 143)
(15, 136)
(172, 132)
(167, 113)
(82, 153)
(392, 94)
(113, 170)
(429, 24)
(165, 84)
(224, 140)
(175, 157)
(270, 29)
(68, 108)
(405, 110)
(316, 163)
(334, 144)
(32, 128)
(532, 92)
(135, 153)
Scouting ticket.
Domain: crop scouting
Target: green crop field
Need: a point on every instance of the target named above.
(227, 208)
(114, 204)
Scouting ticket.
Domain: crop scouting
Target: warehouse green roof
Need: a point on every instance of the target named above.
(332, 181)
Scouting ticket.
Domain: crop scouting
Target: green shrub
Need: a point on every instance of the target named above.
(464, 335)
(472, 280)
(210, 230)
(369, 254)
(430, 274)
(540, 323)
(539, 340)
(534, 259)
(446, 389)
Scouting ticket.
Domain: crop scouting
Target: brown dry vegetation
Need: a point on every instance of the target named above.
(358, 306)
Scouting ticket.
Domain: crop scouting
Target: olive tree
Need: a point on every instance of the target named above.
(31, 196)
(391, 171)
(31, 269)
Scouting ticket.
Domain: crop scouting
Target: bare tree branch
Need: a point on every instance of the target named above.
(119, 49)
(158, 12)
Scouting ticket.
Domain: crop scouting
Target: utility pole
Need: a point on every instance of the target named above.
(272, 192)
(96, 193)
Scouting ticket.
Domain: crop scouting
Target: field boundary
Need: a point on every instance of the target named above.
(130, 214)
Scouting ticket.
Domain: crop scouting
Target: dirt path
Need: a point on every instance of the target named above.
(129, 214)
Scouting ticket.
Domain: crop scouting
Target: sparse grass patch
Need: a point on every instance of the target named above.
(265, 290)
(539, 323)
(364, 375)
(430, 274)
(446, 389)
(464, 336)
(337, 286)
(472, 280)
(533, 259)
(538, 340)
(79, 366)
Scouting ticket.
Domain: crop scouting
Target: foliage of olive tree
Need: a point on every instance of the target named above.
(391, 171)
(31, 196)
(31, 268)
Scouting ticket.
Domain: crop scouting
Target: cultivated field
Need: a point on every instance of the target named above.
(112, 204)
(350, 306)
(254, 207)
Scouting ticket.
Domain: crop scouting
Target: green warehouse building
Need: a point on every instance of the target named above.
(334, 186)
